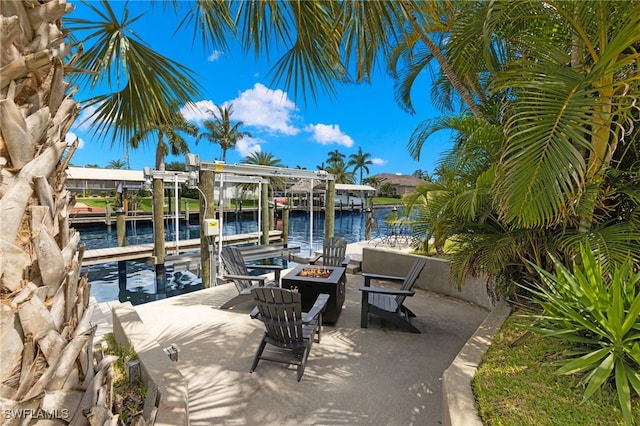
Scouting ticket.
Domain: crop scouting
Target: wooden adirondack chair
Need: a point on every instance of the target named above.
(238, 271)
(287, 327)
(334, 251)
(388, 303)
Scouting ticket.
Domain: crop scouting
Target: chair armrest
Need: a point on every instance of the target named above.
(345, 261)
(267, 267)
(245, 277)
(368, 277)
(254, 312)
(275, 268)
(316, 309)
(313, 260)
(389, 291)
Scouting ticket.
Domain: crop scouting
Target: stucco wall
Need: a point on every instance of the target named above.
(436, 275)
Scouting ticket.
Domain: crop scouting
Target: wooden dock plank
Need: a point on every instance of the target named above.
(144, 252)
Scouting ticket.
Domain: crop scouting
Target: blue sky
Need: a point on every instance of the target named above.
(298, 133)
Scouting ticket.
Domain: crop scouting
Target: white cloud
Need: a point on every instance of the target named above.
(215, 55)
(265, 108)
(196, 112)
(85, 121)
(70, 138)
(326, 134)
(247, 146)
(379, 161)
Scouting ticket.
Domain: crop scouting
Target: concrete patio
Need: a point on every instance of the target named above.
(379, 375)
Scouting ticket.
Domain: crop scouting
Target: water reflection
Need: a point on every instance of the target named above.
(141, 281)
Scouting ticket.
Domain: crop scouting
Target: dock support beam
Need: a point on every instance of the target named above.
(121, 232)
(158, 233)
(207, 211)
(329, 209)
(264, 207)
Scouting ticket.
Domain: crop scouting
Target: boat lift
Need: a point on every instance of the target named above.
(235, 171)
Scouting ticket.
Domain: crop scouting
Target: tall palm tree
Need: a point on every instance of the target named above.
(359, 161)
(168, 133)
(222, 130)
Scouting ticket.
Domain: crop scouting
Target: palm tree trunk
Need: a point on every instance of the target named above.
(445, 66)
(44, 315)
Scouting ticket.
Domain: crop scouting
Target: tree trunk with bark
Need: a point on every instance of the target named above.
(46, 357)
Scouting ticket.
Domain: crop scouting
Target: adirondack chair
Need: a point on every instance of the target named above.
(287, 327)
(238, 271)
(388, 303)
(334, 251)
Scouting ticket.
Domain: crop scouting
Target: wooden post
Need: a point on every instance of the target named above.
(121, 232)
(368, 217)
(329, 209)
(158, 231)
(272, 216)
(207, 181)
(285, 225)
(264, 239)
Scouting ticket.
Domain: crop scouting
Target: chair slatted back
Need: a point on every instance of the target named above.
(411, 278)
(281, 313)
(333, 251)
(234, 264)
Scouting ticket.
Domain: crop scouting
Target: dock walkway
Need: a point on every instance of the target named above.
(144, 252)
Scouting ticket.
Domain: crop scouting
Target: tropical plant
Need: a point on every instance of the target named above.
(169, 139)
(222, 130)
(116, 164)
(371, 180)
(598, 314)
(143, 86)
(551, 180)
(359, 161)
(341, 172)
(266, 159)
(334, 157)
(386, 189)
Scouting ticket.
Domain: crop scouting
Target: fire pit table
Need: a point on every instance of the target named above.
(312, 280)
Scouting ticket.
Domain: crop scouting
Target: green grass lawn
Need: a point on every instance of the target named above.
(516, 385)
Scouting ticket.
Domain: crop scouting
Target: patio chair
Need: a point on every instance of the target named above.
(238, 271)
(388, 303)
(287, 327)
(334, 251)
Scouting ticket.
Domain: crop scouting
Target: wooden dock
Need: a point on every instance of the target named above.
(144, 252)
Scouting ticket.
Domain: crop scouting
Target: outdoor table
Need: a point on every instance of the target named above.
(310, 287)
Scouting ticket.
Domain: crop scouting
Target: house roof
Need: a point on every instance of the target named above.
(303, 186)
(94, 173)
(401, 180)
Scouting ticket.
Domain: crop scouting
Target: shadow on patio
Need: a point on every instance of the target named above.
(378, 375)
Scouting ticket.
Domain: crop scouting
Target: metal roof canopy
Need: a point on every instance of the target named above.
(193, 163)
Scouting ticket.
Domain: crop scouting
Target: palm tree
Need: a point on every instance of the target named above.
(267, 159)
(116, 164)
(335, 157)
(170, 130)
(360, 161)
(222, 130)
(374, 181)
(341, 172)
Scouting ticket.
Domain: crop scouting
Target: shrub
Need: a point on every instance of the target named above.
(599, 316)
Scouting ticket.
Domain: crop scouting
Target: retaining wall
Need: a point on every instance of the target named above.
(167, 394)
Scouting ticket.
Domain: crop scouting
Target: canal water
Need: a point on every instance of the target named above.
(141, 285)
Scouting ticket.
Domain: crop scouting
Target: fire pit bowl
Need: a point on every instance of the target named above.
(315, 272)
